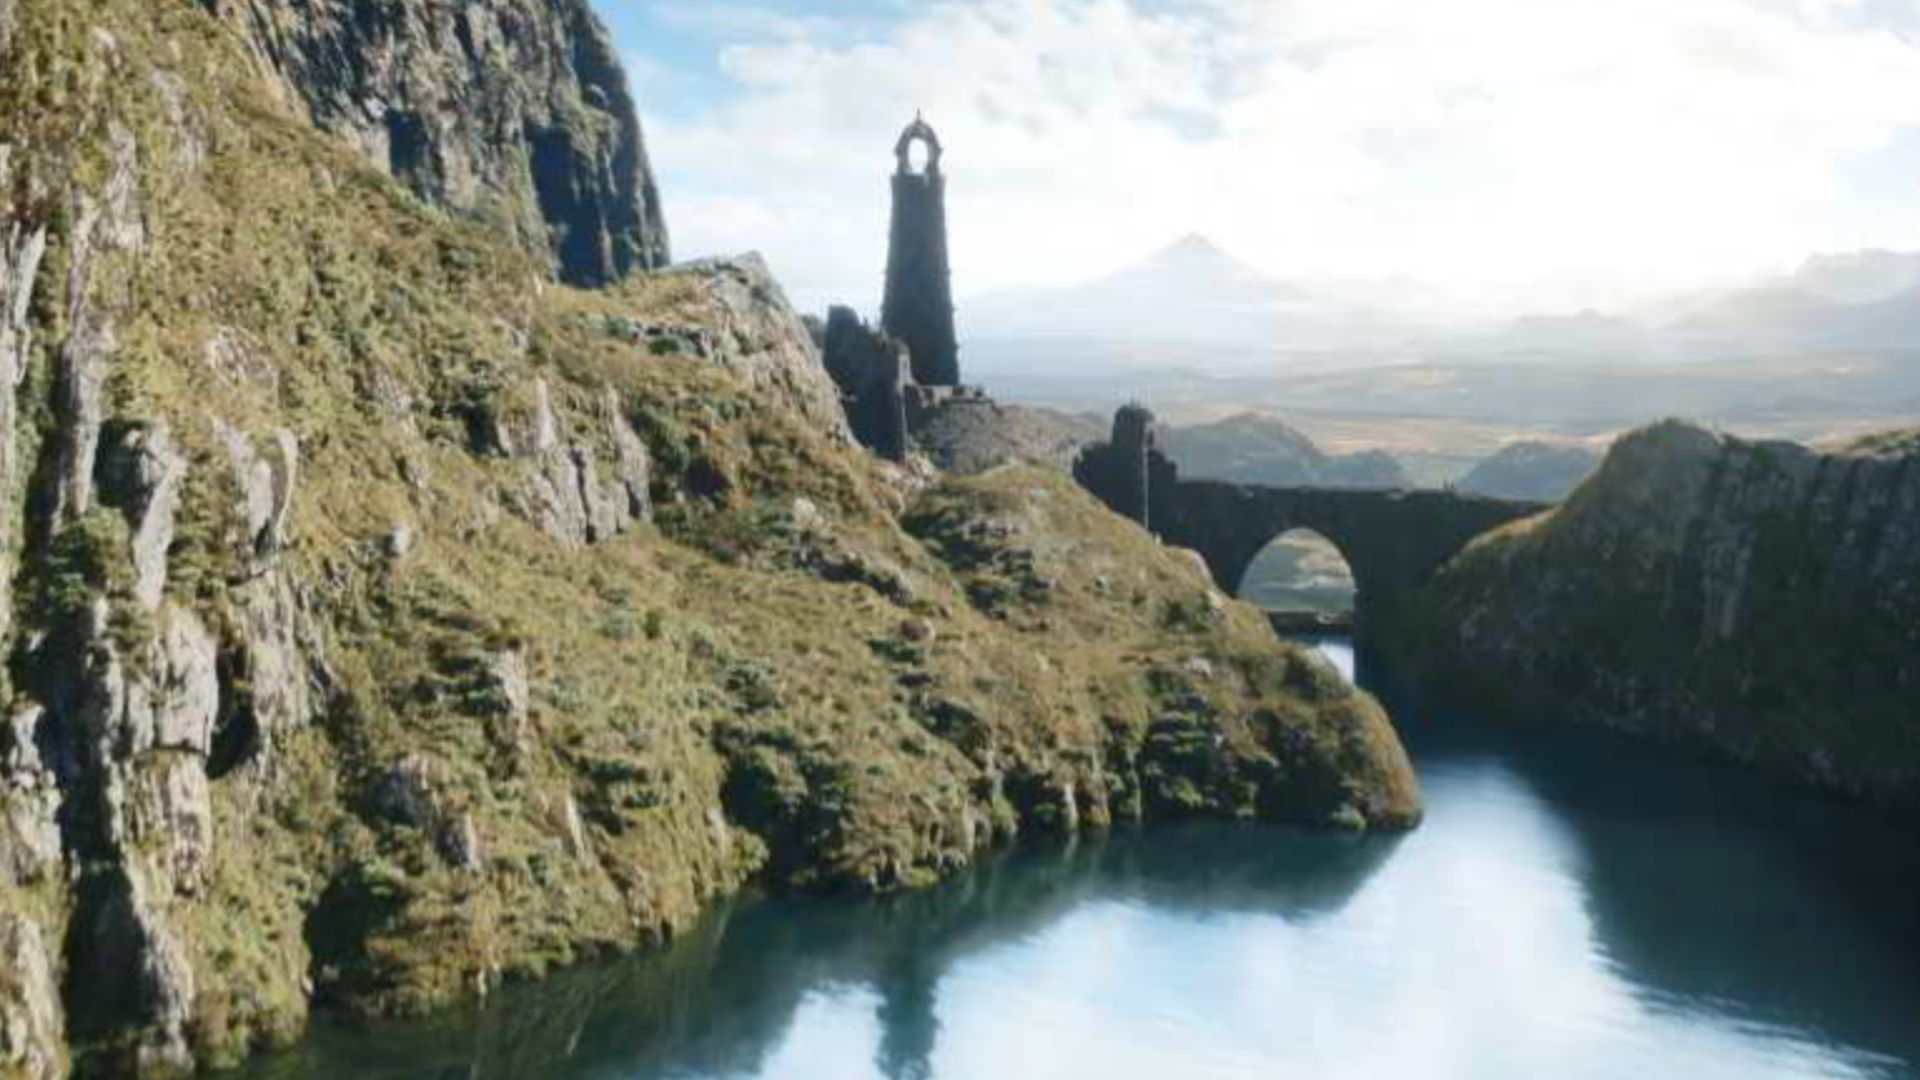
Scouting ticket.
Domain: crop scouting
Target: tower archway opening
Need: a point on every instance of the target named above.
(919, 154)
(1302, 581)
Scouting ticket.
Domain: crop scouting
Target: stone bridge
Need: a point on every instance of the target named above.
(1394, 541)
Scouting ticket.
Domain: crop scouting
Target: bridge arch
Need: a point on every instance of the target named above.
(1394, 541)
(1300, 577)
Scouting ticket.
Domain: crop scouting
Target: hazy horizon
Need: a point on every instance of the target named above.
(1511, 156)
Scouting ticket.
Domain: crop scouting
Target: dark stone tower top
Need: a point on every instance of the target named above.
(922, 132)
(919, 303)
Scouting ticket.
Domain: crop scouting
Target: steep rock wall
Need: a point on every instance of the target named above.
(1758, 599)
(516, 110)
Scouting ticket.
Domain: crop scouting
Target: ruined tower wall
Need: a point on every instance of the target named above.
(870, 370)
(1133, 448)
(1125, 471)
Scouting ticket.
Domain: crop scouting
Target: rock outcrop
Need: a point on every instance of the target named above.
(753, 332)
(969, 434)
(1759, 599)
(31, 1039)
(515, 110)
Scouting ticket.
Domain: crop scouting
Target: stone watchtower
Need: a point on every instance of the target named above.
(919, 304)
(870, 370)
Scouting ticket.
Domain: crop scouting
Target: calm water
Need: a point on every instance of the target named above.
(1571, 909)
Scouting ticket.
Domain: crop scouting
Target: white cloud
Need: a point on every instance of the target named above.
(1595, 146)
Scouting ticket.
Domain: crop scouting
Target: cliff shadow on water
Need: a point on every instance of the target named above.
(1709, 887)
(720, 1000)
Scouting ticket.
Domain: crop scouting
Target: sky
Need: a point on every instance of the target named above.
(1516, 154)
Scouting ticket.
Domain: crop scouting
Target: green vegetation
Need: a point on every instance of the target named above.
(455, 747)
(1757, 600)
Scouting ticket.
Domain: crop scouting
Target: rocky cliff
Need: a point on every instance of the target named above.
(383, 622)
(1758, 599)
(517, 112)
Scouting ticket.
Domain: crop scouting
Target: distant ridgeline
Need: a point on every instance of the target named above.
(1251, 448)
(1532, 470)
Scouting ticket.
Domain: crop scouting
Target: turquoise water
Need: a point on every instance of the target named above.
(1573, 908)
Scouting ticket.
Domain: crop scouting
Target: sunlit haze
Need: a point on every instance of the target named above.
(1504, 154)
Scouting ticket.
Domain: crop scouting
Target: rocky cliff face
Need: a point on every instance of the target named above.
(385, 622)
(1759, 599)
(517, 111)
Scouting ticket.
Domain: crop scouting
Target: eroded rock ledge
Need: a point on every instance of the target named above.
(1757, 598)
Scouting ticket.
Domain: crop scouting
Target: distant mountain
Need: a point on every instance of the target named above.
(1857, 300)
(1584, 335)
(1893, 322)
(1535, 471)
(1858, 277)
(1195, 306)
(1868, 300)
(1779, 319)
(1191, 299)
(1254, 449)
(1771, 312)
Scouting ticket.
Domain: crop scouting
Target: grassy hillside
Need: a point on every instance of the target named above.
(389, 622)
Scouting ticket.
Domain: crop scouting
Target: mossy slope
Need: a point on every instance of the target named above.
(1760, 600)
(388, 622)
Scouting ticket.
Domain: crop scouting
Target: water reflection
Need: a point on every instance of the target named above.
(1572, 908)
(1719, 901)
(723, 1000)
(1709, 891)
